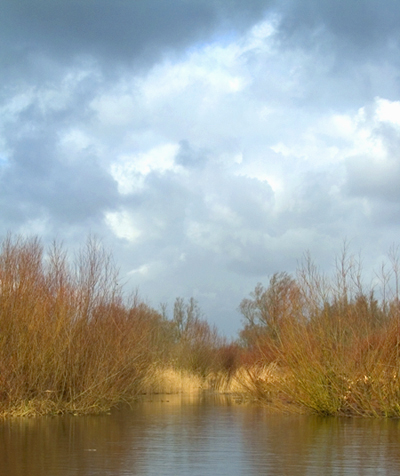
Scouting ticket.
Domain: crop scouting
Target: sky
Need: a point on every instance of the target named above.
(207, 143)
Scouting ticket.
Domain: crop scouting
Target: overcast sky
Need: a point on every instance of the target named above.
(208, 143)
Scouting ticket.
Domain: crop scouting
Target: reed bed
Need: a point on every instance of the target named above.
(162, 379)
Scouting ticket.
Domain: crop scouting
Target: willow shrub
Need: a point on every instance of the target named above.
(68, 340)
(336, 347)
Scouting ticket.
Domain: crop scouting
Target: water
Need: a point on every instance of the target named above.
(172, 435)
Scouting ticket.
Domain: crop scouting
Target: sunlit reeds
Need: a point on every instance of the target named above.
(165, 379)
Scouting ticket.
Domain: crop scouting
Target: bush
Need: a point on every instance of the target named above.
(68, 341)
(336, 346)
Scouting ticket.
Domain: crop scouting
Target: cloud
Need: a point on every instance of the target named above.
(364, 27)
(52, 168)
(130, 171)
(188, 156)
(373, 169)
(116, 34)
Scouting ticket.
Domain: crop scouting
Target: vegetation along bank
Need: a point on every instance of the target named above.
(71, 341)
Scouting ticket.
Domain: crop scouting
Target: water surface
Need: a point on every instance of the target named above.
(175, 435)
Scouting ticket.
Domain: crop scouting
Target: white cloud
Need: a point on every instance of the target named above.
(116, 109)
(130, 170)
(388, 111)
(75, 142)
(17, 103)
(143, 270)
(122, 224)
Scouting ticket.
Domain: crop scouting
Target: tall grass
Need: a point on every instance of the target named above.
(68, 340)
(335, 346)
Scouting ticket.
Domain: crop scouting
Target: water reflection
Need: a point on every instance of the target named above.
(177, 435)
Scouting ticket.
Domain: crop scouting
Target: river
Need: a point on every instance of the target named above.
(198, 436)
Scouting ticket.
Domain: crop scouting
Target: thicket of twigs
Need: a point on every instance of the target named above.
(326, 344)
(71, 342)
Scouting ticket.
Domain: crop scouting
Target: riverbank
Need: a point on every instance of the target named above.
(72, 342)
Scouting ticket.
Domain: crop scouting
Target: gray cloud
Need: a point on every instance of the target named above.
(358, 27)
(41, 178)
(122, 32)
(63, 193)
(187, 156)
(374, 179)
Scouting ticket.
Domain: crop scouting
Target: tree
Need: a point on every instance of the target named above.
(266, 308)
(185, 315)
